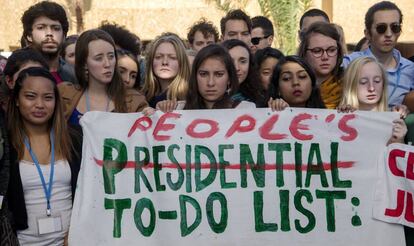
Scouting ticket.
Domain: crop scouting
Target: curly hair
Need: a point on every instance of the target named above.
(122, 37)
(205, 27)
(48, 9)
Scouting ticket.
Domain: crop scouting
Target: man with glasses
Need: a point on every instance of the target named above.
(382, 29)
(262, 33)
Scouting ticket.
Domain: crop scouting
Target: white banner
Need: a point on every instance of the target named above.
(394, 194)
(231, 177)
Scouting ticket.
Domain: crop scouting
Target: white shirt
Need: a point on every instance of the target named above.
(35, 200)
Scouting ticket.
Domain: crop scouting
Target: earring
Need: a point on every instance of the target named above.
(86, 73)
(228, 89)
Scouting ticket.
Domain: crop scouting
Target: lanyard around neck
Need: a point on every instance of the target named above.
(47, 190)
(88, 103)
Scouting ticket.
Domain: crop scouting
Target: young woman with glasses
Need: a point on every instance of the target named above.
(321, 47)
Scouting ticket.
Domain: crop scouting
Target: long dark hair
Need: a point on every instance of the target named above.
(315, 100)
(251, 86)
(125, 53)
(194, 99)
(68, 41)
(262, 54)
(115, 89)
(18, 131)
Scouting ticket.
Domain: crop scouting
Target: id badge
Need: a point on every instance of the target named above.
(49, 224)
(1, 201)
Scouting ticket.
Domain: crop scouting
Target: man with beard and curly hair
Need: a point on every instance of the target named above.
(45, 26)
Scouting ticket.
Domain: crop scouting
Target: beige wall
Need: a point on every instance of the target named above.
(11, 28)
(149, 18)
(350, 15)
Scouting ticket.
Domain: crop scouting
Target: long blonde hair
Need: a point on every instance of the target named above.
(177, 89)
(351, 80)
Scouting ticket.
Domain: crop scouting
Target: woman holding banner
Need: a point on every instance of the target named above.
(213, 81)
(100, 86)
(293, 84)
(365, 88)
(44, 160)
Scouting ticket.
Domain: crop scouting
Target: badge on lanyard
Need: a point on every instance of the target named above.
(48, 223)
(1, 202)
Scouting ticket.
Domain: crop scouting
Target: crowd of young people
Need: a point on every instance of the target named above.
(50, 83)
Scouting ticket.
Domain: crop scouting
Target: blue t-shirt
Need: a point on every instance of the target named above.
(75, 117)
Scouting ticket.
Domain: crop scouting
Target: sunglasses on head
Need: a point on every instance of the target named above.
(256, 40)
(382, 28)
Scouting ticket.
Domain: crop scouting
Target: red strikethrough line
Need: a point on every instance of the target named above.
(326, 166)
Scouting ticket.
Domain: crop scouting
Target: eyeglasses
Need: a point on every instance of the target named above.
(318, 52)
(256, 40)
(382, 28)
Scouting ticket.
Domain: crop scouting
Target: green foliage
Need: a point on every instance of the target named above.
(285, 15)
(227, 5)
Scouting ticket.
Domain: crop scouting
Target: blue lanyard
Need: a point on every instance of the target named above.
(48, 191)
(88, 104)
